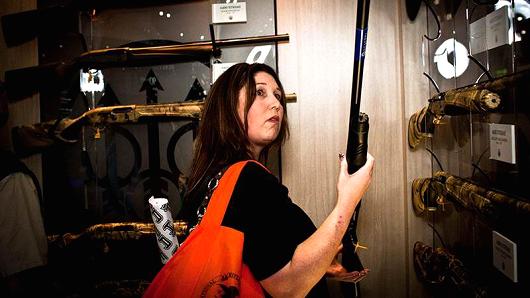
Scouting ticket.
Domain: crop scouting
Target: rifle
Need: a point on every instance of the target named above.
(357, 145)
(476, 98)
(30, 79)
(118, 231)
(487, 202)
(29, 139)
(443, 272)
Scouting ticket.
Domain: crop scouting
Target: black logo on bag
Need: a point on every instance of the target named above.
(223, 285)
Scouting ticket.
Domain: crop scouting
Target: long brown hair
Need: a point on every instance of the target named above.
(222, 137)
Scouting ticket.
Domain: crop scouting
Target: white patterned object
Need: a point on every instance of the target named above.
(166, 236)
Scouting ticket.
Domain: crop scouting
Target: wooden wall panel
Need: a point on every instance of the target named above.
(26, 111)
(317, 64)
(418, 161)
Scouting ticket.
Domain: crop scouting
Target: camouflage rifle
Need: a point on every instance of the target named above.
(444, 273)
(30, 139)
(477, 98)
(461, 101)
(489, 203)
(37, 137)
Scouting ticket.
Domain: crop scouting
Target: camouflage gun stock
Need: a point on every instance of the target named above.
(477, 98)
(118, 231)
(29, 139)
(454, 102)
(442, 272)
(487, 202)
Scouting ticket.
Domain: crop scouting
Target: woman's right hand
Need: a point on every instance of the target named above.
(351, 188)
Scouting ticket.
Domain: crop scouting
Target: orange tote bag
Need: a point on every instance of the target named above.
(209, 263)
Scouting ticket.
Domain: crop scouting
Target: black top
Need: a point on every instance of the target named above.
(273, 225)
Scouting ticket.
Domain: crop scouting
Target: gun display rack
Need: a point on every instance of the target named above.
(478, 82)
(121, 87)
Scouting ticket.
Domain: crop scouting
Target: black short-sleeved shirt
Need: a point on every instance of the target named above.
(273, 225)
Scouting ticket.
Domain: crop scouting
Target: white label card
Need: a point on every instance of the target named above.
(229, 12)
(498, 28)
(491, 31)
(218, 69)
(505, 255)
(502, 142)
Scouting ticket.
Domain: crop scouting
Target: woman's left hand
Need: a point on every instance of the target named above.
(337, 272)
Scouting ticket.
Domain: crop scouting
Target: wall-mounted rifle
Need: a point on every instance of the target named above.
(357, 146)
(25, 81)
(479, 98)
(29, 139)
(36, 138)
(492, 204)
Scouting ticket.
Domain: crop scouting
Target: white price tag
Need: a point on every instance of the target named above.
(229, 12)
(502, 142)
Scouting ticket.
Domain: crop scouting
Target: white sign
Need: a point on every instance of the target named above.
(229, 12)
(477, 36)
(91, 81)
(218, 69)
(491, 31)
(258, 54)
(498, 28)
(456, 67)
(502, 142)
(505, 255)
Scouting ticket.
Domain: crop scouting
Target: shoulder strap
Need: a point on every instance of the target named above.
(221, 196)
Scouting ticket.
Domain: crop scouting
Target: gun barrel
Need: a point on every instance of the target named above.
(199, 50)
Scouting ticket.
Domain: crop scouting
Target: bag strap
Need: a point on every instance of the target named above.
(221, 196)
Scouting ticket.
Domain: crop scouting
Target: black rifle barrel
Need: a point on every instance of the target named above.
(358, 127)
(204, 47)
(357, 146)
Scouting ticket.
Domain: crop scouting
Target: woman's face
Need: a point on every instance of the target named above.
(265, 115)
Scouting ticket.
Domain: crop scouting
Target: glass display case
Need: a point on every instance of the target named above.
(112, 170)
(482, 46)
(99, 175)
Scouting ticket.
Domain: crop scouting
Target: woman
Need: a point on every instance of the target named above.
(243, 118)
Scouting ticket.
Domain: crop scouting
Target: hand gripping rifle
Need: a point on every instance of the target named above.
(357, 146)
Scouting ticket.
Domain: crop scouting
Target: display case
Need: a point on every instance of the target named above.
(100, 170)
(479, 154)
